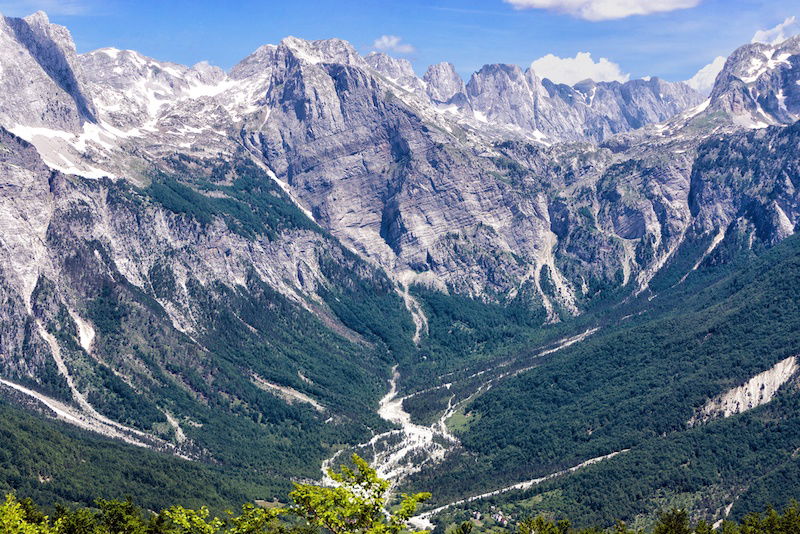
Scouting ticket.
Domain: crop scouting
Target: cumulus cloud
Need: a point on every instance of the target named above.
(703, 81)
(571, 70)
(777, 34)
(604, 9)
(392, 43)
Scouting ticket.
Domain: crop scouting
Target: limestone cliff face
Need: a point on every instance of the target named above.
(444, 85)
(757, 391)
(469, 188)
(437, 181)
(758, 85)
(41, 79)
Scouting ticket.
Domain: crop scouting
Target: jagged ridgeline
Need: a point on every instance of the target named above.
(585, 297)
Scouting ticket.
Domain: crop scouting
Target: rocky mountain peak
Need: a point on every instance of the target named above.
(207, 73)
(760, 84)
(501, 93)
(41, 79)
(389, 66)
(261, 59)
(322, 51)
(39, 18)
(398, 70)
(443, 82)
(131, 89)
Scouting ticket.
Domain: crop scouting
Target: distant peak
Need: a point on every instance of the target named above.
(392, 66)
(507, 68)
(109, 51)
(40, 17)
(442, 67)
(322, 51)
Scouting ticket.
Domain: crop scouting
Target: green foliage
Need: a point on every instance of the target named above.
(368, 304)
(463, 331)
(54, 463)
(107, 312)
(540, 525)
(673, 522)
(15, 520)
(252, 205)
(349, 511)
(633, 381)
(181, 199)
(463, 528)
(356, 504)
(185, 521)
(123, 517)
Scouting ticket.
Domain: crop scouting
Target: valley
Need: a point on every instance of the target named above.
(523, 296)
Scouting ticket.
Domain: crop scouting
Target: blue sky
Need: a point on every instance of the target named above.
(468, 33)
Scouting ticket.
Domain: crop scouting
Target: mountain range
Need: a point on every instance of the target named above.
(227, 267)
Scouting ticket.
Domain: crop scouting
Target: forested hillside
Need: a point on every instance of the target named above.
(635, 386)
(355, 506)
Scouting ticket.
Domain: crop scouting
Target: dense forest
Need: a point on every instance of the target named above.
(746, 312)
(632, 386)
(356, 505)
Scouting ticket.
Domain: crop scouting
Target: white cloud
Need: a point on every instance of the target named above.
(604, 9)
(777, 34)
(703, 81)
(19, 8)
(393, 43)
(571, 70)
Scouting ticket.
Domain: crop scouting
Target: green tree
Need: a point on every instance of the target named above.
(463, 528)
(14, 519)
(356, 504)
(673, 522)
(540, 525)
(186, 521)
(621, 528)
(78, 521)
(255, 520)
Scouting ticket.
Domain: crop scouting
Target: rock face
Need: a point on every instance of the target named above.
(748, 180)
(398, 71)
(522, 105)
(308, 169)
(505, 94)
(758, 85)
(438, 181)
(757, 391)
(444, 85)
(41, 81)
(131, 89)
